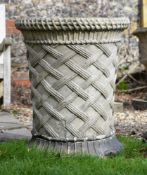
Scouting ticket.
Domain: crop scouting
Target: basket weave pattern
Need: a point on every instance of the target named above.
(72, 65)
(72, 89)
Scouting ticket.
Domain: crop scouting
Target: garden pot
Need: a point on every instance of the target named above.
(72, 63)
(141, 33)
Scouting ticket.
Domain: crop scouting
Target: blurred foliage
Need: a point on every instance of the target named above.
(123, 85)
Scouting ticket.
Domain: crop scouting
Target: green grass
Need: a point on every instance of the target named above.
(15, 159)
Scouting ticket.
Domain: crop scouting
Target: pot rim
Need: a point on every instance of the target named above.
(78, 24)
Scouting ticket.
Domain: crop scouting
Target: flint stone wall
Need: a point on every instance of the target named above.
(73, 8)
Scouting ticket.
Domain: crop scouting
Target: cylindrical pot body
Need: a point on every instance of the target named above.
(72, 63)
(141, 33)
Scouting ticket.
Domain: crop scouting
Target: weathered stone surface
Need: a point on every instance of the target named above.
(118, 107)
(73, 71)
(10, 128)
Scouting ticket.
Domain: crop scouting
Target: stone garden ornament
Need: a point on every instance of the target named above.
(72, 63)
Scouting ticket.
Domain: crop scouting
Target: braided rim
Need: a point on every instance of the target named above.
(81, 24)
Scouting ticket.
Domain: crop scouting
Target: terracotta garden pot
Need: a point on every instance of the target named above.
(73, 64)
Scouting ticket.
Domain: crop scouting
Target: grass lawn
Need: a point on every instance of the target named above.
(15, 159)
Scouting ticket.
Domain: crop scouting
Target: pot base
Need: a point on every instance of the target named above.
(103, 147)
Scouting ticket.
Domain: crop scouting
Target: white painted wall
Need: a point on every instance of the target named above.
(2, 27)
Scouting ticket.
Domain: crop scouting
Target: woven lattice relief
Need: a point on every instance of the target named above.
(73, 65)
(73, 88)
